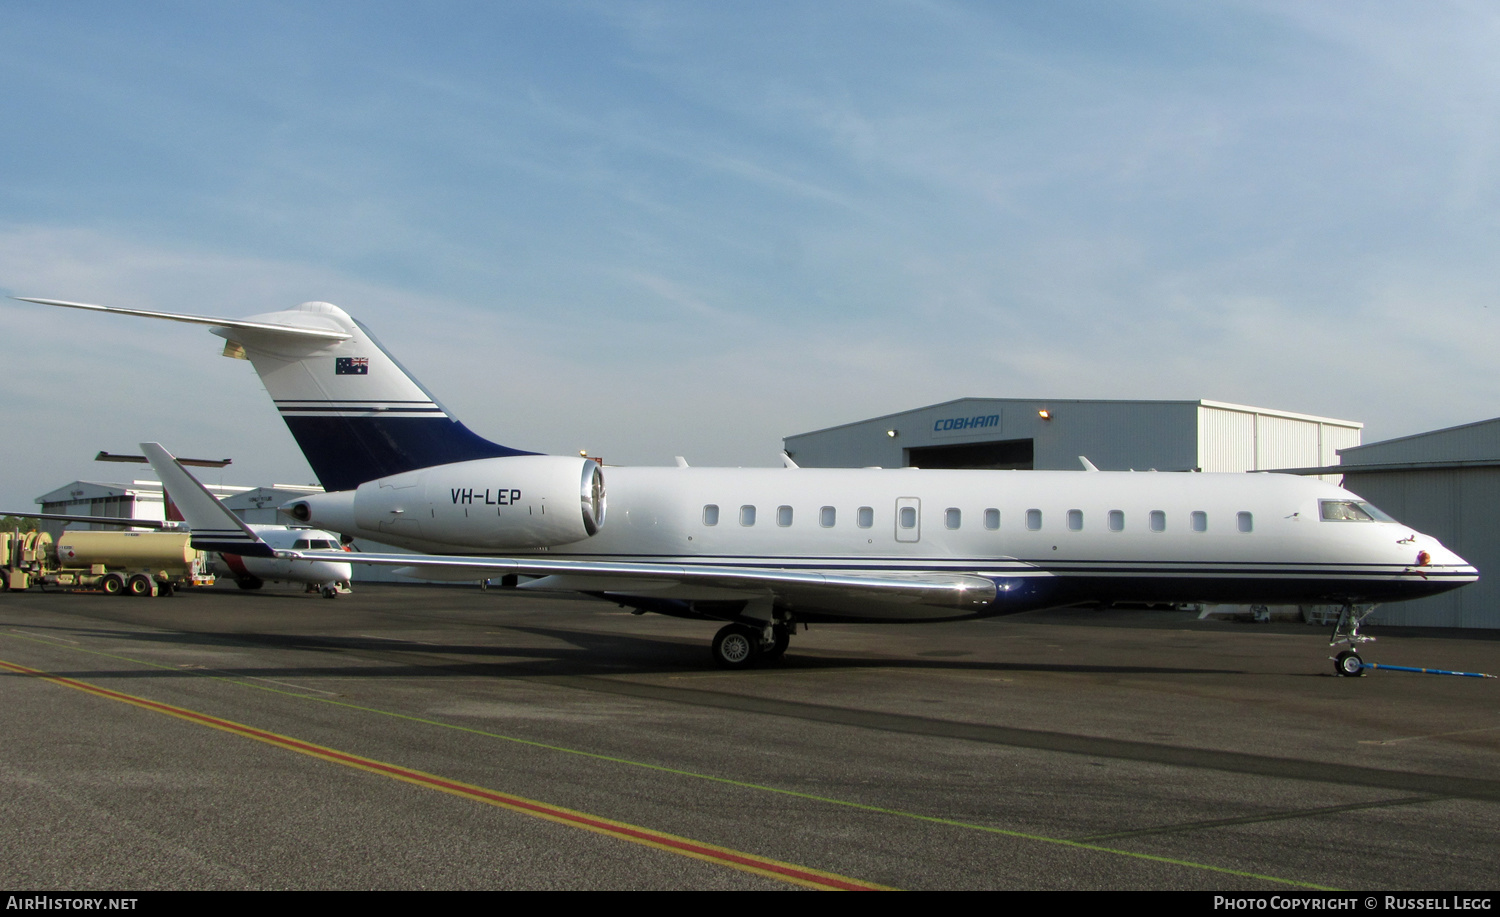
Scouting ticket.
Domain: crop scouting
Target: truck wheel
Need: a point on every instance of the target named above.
(113, 584)
(142, 586)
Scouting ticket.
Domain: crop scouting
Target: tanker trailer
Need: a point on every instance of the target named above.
(132, 563)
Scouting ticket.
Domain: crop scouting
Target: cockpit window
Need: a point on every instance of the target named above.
(1352, 511)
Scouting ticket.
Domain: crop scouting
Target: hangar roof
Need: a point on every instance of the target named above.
(1470, 442)
(1220, 405)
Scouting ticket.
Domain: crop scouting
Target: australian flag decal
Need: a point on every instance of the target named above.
(351, 366)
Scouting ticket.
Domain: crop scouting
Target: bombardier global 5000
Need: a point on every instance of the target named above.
(764, 549)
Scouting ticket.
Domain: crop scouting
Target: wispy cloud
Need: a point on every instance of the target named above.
(653, 228)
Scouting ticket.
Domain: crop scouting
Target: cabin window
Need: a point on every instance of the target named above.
(1116, 520)
(1033, 520)
(952, 518)
(1075, 520)
(826, 517)
(711, 514)
(865, 517)
(747, 515)
(1200, 521)
(1247, 524)
(992, 519)
(783, 516)
(1158, 521)
(908, 517)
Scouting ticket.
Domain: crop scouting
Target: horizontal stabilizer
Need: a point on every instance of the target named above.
(96, 520)
(317, 334)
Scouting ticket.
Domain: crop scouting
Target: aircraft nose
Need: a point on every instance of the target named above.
(1440, 556)
(1430, 554)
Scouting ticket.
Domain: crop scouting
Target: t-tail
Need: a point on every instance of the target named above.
(214, 527)
(354, 410)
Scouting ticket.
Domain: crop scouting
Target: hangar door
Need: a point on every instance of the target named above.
(1005, 455)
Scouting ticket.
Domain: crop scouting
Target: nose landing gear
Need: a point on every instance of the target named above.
(1346, 632)
(1349, 664)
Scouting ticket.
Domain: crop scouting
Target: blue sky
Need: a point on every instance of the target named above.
(651, 229)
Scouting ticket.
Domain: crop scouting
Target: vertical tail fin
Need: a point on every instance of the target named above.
(214, 527)
(354, 410)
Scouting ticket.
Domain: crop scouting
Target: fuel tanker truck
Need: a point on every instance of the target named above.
(115, 563)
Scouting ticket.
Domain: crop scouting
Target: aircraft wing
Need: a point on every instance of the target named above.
(322, 334)
(954, 590)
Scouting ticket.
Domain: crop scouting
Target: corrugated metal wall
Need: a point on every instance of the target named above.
(1458, 507)
(1226, 440)
(1334, 439)
(1282, 442)
(1241, 440)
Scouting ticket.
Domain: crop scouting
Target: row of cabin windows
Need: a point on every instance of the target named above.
(1156, 520)
(864, 517)
(953, 518)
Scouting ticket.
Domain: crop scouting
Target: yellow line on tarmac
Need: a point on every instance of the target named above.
(711, 778)
(711, 853)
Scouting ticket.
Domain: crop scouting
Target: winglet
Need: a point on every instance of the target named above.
(1087, 465)
(214, 527)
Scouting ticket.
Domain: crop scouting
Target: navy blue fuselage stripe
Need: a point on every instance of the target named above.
(361, 409)
(345, 452)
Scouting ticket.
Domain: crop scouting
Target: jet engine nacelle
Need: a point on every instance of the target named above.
(520, 501)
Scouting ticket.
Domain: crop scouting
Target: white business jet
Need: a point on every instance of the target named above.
(253, 553)
(329, 578)
(764, 549)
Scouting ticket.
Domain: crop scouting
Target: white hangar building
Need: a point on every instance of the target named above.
(143, 500)
(1020, 433)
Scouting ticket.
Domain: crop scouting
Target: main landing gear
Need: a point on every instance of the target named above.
(1346, 632)
(740, 646)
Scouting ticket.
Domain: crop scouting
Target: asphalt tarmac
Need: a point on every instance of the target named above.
(409, 737)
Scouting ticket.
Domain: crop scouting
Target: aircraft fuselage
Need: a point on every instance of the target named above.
(1044, 538)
